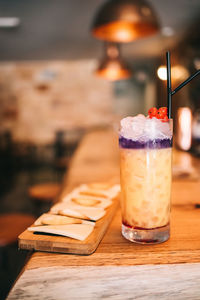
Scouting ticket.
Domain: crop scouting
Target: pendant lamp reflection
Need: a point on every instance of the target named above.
(125, 21)
(112, 67)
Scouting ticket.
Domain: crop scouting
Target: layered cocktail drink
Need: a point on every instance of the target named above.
(145, 170)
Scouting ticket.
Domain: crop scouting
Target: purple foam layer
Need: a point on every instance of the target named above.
(151, 144)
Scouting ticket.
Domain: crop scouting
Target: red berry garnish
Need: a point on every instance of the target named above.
(152, 112)
(165, 119)
(160, 115)
(162, 112)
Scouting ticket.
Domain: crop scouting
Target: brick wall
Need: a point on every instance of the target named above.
(38, 99)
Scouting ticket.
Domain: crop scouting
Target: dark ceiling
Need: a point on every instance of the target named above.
(60, 29)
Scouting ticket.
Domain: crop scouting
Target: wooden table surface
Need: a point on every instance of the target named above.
(120, 269)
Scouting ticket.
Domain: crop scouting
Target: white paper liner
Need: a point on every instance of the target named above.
(76, 231)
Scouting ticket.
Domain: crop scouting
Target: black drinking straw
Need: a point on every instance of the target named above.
(169, 89)
(185, 82)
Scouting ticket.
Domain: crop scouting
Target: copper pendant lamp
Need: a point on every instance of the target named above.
(112, 67)
(125, 21)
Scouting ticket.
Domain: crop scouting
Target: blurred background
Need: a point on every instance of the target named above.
(62, 75)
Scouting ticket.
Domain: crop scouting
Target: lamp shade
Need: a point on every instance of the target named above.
(112, 67)
(125, 21)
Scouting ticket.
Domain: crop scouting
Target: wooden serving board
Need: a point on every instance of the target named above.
(51, 243)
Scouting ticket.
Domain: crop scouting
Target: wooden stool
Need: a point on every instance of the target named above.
(12, 225)
(43, 195)
(44, 192)
(62, 163)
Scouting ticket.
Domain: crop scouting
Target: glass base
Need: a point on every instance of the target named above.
(146, 236)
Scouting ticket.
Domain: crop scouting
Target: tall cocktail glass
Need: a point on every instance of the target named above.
(145, 174)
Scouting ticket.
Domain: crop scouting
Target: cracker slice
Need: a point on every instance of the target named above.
(86, 213)
(99, 185)
(92, 193)
(49, 219)
(60, 220)
(73, 213)
(85, 201)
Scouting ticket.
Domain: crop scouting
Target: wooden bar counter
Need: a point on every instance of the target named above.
(120, 269)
